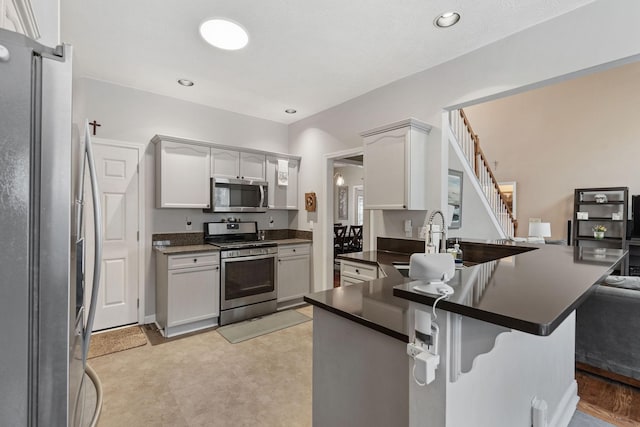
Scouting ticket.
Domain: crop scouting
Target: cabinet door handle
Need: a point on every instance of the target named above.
(357, 271)
(195, 260)
(217, 268)
(294, 250)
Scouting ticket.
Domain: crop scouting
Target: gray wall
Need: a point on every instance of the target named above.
(547, 52)
(577, 134)
(134, 116)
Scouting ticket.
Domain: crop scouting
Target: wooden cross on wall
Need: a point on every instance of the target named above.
(95, 124)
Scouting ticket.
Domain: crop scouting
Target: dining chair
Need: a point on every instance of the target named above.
(355, 238)
(339, 239)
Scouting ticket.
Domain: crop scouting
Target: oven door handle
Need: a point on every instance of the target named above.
(249, 258)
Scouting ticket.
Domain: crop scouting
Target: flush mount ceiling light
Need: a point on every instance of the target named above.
(447, 19)
(186, 82)
(224, 34)
(290, 111)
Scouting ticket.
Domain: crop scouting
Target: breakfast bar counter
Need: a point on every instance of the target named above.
(503, 342)
(532, 289)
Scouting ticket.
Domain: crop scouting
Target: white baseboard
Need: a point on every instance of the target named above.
(566, 407)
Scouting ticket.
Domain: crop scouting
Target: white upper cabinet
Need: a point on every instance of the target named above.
(18, 16)
(252, 166)
(395, 166)
(182, 175)
(237, 164)
(282, 196)
(225, 163)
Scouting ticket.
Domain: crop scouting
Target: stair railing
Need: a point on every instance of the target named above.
(470, 144)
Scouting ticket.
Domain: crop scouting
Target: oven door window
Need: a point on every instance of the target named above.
(248, 277)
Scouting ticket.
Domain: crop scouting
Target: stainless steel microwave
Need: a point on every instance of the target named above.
(238, 195)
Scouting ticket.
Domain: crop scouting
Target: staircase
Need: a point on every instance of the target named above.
(467, 144)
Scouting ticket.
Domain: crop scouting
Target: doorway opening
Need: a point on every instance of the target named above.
(345, 219)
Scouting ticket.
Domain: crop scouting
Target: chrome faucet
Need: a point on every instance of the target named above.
(443, 232)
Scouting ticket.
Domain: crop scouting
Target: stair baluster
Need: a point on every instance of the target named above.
(470, 145)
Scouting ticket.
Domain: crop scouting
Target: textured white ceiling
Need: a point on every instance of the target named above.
(303, 54)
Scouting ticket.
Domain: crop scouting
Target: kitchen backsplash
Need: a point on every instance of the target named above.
(178, 239)
(405, 246)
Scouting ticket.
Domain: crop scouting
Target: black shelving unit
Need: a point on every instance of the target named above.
(633, 246)
(601, 205)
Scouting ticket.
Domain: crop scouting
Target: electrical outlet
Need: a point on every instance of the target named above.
(189, 224)
(422, 232)
(414, 349)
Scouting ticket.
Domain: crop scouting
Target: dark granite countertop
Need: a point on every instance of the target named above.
(294, 241)
(371, 303)
(533, 290)
(185, 249)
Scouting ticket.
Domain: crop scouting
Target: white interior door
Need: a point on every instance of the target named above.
(118, 180)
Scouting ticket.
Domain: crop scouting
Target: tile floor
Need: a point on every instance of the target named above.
(202, 380)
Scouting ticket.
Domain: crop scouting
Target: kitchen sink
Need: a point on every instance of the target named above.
(402, 267)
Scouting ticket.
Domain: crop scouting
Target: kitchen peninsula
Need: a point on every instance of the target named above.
(506, 339)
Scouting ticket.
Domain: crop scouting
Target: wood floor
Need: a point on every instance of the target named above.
(611, 401)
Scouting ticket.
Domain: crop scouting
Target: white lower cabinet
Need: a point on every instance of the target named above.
(187, 292)
(355, 272)
(293, 273)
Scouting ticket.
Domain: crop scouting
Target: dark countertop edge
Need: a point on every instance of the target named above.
(485, 316)
(185, 249)
(291, 241)
(364, 322)
(540, 329)
(346, 257)
(353, 257)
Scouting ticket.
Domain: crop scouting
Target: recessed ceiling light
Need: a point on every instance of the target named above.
(185, 82)
(446, 19)
(290, 111)
(224, 34)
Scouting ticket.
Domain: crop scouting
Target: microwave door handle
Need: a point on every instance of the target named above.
(261, 195)
(97, 215)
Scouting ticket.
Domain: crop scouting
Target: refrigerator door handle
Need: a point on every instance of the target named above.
(97, 215)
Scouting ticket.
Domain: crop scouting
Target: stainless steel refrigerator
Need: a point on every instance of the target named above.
(45, 330)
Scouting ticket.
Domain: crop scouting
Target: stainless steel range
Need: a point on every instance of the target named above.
(248, 270)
